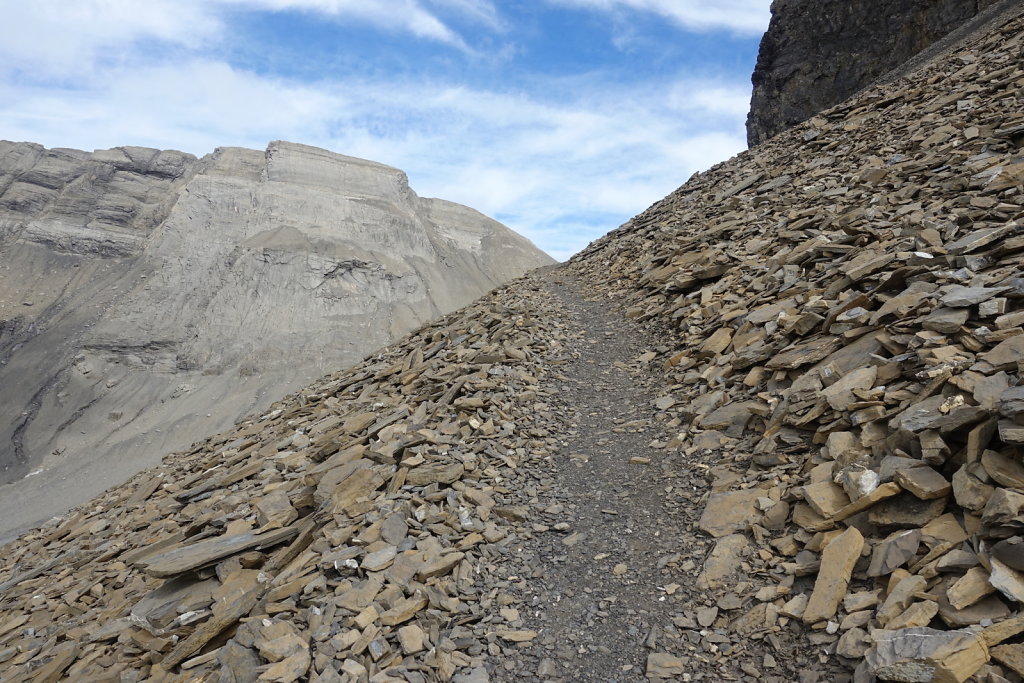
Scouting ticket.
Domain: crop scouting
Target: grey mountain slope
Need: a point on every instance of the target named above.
(149, 297)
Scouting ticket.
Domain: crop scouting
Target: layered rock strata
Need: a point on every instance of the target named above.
(148, 297)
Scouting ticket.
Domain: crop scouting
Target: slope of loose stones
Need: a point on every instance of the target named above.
(846, 303)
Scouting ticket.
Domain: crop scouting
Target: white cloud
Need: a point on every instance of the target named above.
(66, 38)
(560, 172)
(480, 11)
(403, 15)
(742, 16)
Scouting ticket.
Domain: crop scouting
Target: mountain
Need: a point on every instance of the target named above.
(817, 54)
(148, 297)
(770, 429)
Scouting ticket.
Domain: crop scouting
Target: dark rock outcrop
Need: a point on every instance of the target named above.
(817, 54)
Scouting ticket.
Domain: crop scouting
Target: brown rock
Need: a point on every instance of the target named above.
(923, 482)
(969, 588)
(439, 566)
(661, 665)
(727, 513)
(1011, 655)
(202, 553)
(837, 561)
(826, 498)
(723, 563)
(440, 473)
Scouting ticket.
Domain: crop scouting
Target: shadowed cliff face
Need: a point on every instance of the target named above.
(817, 54)
(147, 297)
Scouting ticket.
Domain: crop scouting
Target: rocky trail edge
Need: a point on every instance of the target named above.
(623, 589)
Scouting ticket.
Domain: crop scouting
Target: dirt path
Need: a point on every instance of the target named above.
(610, 575)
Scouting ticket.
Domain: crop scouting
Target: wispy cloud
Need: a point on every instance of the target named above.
(401, 15)
(741, 16)
(482, 12)
(68, 38)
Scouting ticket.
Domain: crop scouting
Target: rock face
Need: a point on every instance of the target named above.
(148, 297)
(817, 54)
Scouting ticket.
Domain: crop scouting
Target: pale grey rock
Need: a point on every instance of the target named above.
(171, 295)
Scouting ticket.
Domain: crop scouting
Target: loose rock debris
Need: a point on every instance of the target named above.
(337, 538)
(836, 316)
(846, 305)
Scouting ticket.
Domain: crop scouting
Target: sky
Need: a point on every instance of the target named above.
(560, 118)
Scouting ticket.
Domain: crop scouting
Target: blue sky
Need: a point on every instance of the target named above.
(560, 118)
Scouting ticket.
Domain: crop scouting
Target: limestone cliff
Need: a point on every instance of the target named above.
(817, 54)
(148, 297)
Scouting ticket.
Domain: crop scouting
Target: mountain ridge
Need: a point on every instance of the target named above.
(149, 295)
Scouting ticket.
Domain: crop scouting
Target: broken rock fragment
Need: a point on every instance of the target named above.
(924, 655)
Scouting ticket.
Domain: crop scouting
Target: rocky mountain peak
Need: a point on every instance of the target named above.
(149, 296)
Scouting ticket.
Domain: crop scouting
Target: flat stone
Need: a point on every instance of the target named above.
(840, 395)
(1003, 507)
(837, 561)
(918, 614)
(729, 512)
(987, 609)
(924, 482)
(957, 560)
(380, 560)
(1011, 656)
(210, 550)
(1005, 470)
(394, 529)
(969, 588)
(1011, 433)
(439, 566)
(919, 415)
(977, 239)
(1011, 402)
(520, 636)
(958, 296)
(411, 639)
(441, 473)
(946, 320)
(901, 595)
(1010, 551)
(661, 665)
(276, 509)
(404, 610)
(943, 529)
(988, 389)
(722, 564)
(853, 644)
(1006, 580)
(906, 510)
(826, 498)
(1006, 354)
(970, 491)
